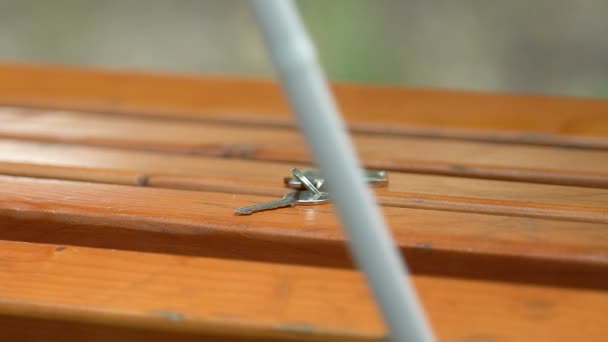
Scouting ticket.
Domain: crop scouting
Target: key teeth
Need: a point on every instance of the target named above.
(239, 212)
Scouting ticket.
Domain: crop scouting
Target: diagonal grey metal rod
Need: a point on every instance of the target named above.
(295, 60)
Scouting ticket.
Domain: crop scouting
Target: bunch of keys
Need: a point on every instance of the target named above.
(310, 186)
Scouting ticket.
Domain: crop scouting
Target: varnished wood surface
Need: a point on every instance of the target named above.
(502, 213)
(414, 112)
(541, 251)
(117, 166)
(189, 294)
(196, 295)
(436, 156)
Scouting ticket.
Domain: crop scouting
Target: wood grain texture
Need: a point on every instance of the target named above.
(156, 254)
(372, 109)
(190, 294)
(526, 250)
(468, 159)
(213, 297)
(106, 165)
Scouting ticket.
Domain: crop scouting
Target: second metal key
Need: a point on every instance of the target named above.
(289, 200)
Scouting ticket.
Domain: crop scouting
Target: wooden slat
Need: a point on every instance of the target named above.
(190, 294)
(415, 112)
(483, 160)
(170, 294)
(437, 242)
(114, 166)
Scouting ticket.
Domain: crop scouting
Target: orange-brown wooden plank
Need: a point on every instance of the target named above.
(434, 113)
(202, 223)
(106, 165)
(168, 294)
(179, 293)
(472, 159)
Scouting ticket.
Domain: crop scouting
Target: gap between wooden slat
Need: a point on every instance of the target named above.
(246, 177)
(466, 159)
(528, 119)
(514, 249)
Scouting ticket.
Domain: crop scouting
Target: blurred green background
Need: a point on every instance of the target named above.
(539, 46)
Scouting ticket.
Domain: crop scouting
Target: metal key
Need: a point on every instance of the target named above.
(306, 183)
(289, 200)
(374, 178)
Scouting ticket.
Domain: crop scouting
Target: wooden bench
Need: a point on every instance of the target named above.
(117, 193)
